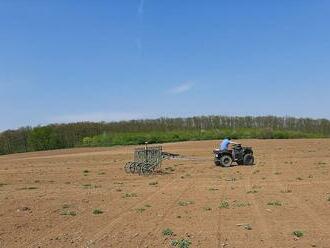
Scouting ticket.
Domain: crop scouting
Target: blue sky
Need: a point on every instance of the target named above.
(63, 60)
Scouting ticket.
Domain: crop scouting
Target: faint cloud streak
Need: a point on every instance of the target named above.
(141, 9)
(140, 12)
(182, 88)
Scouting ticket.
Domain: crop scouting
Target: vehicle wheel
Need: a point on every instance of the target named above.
(138, 167)
(146, 169)
(248, 159)
(132, 167)
(127, 167)
(226, 160)
(217, 162)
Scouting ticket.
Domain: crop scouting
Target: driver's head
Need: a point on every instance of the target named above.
(228, 138)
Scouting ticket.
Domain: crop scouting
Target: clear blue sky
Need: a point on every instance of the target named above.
(65, 60)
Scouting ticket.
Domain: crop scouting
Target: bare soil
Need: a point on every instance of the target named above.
(48, 199)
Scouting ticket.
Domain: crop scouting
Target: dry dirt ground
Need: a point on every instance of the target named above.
(47, 199)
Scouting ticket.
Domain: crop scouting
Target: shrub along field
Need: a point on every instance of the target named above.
(82, 197)
(58, 136)
(175, 136)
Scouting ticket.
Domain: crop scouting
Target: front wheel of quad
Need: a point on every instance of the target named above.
(248, 159)
(226, 160)
(217, 162)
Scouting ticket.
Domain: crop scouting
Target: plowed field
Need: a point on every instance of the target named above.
(83, 198)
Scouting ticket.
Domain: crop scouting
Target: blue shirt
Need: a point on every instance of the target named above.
(224, 144)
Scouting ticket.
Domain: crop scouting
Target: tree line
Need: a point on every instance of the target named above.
(57, 136)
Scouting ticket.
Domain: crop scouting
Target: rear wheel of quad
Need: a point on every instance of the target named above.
(248, 159)
(226, 160)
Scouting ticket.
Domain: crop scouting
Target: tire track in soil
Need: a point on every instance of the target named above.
(103, 233)
(308, 211)
(219, 237)
(69, 225)
(168, 211)
(260, 218)
(118, 217)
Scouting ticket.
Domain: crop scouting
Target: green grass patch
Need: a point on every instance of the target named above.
(185, 203)
(286, 191)
(241, 204)
(224, 204)
(181, 243)
(298, 233)
(90, 186)
(129, 195)
(97, 211)
(167, 232)
(140, 210)
(69, 213)
(274, 203)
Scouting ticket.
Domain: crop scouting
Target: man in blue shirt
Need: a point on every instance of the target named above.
(225, 144)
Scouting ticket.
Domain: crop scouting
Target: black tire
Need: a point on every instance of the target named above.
(226, 160)
(248, 159)
(217, 162)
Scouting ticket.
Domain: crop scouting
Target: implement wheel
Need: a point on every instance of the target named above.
(132, 167)
(127, 167)
(146, 169)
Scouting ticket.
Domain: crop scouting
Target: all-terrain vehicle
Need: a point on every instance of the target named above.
(240, 155)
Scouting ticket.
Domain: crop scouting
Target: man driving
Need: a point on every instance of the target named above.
(225, 144)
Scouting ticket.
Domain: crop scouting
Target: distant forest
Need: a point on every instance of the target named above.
(58, 136)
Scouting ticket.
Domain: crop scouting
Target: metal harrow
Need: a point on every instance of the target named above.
(146, 160)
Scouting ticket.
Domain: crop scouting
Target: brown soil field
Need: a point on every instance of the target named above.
(48, 198)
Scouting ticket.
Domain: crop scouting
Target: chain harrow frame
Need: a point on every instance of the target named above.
(146, 160)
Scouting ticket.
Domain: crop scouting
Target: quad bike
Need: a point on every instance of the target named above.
(240, 155)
